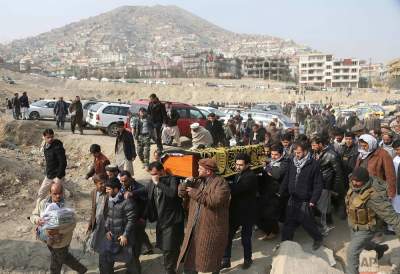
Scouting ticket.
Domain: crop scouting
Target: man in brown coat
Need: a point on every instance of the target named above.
(206, 233)
(377, 161)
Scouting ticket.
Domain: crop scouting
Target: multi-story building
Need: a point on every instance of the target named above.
(323, 70)
(269, 68)
(394, 69)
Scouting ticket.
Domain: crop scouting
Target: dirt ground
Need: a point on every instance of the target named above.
(22, 166)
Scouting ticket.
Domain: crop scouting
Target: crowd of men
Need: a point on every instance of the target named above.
(306, 180)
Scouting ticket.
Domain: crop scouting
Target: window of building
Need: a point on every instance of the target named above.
(303, 78)
(355, 63)
(328, 74)
(345, 77)
(336, 70)
(319, 78)
(303, 65)
(346, 70)
(336, 64)
(353, 77)
(310, 78)
(328, 58)
(336, 77)
(329, 67)
(353, 70)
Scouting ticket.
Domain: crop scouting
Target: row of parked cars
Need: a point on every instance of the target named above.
(104, 115)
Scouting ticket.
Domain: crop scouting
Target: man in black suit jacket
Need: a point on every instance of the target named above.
(242, 211)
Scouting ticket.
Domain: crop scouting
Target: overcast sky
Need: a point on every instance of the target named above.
(347, 28)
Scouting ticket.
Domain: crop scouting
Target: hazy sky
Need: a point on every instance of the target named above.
(347, 28)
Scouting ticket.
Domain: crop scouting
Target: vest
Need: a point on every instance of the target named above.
(360, 217)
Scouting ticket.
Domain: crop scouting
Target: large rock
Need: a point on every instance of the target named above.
(291, 258)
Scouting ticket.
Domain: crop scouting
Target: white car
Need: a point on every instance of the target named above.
(43, 109)
(105, 115)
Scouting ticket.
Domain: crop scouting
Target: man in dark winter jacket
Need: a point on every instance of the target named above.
(242, 211)
(164, 206)
(216, 129)
(56, 162)
(121, 231)
(158, 117)
(60, 111)
(349, 155)
(332, 176)
(125, 151)
(76, 111)
(303, 182)
(257, 135)
(24, 102)
(272, 208)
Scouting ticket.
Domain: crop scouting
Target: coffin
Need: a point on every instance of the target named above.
(184, 163)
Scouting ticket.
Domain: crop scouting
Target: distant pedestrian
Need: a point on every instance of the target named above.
(60, 111)
(16, 105)
(158, 117)
(9, 106)
(24, 102)
(142, 128)
(76, 111)
(125, 152)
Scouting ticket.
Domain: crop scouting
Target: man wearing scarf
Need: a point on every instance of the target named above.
(303, 182)
(377, 161)
(387, 143)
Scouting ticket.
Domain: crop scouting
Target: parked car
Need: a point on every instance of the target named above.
(86, 105)
(268, 107)
(43, 109)
(105, 115)
(188, 115)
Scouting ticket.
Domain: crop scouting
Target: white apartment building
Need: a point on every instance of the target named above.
(323, 70)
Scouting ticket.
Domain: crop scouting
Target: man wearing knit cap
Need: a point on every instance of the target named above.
(366, 201)
(207, 228)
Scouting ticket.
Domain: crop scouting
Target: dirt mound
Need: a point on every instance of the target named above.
(19, 133)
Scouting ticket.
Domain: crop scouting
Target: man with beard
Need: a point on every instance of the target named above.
(332, 176)
(164, 206)
(377, 161)
(367, 201)
(242, 211)
(271, 206)
(338, 135)
(303, 182)
(208, 220)
(387, 143)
